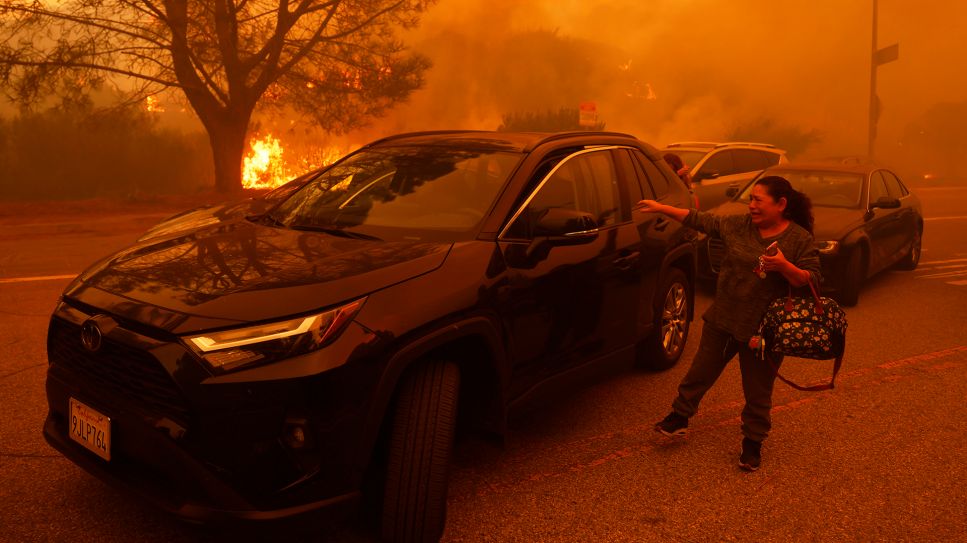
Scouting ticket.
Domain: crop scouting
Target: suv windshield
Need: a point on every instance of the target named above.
(825, 189)
(413, 187)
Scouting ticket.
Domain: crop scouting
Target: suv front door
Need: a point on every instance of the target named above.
(566, 304)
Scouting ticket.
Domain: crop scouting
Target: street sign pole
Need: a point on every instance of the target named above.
(874, 103)
(877, 57)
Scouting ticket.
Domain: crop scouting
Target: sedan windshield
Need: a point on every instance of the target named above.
(825, 189)
(424, 188)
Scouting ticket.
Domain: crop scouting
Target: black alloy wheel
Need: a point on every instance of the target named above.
(665, 346)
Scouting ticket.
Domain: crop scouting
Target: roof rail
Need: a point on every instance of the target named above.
(746, 143)
(419, 133)
(693, 144)
(563, 135)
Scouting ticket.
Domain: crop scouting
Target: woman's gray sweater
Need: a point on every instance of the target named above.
(741, 296)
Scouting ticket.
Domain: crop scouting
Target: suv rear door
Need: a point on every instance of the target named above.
(563, 305)
(656, 231)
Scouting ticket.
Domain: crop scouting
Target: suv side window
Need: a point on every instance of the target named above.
(770, 159)
(585, 182)
(630, 171)
(750, 160)
(604, 198)
(649, 171)
(720, 163)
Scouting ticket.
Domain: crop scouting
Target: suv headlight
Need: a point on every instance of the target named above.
(828, 247)
(226, 350)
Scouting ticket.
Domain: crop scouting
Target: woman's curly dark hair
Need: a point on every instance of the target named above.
(799, 208)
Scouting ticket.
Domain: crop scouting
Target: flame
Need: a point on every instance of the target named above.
(151, 105)
(265, 167)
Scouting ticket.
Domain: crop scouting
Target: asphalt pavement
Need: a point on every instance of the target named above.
(883, 457)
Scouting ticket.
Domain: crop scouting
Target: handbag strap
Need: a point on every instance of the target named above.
(812, 388)
(820, 306)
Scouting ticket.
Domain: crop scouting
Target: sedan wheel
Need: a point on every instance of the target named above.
(849, 294)
(912, 258)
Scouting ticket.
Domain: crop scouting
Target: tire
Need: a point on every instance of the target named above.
(910, 261)
(664, 347)
(418, 459)
(849, 294)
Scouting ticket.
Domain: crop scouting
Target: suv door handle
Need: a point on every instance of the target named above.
(627, 261)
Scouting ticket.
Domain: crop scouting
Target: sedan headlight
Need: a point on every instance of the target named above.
(828, 247)
(230, 349)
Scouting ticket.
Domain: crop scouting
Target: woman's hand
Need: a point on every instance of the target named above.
(796, 276)
(649, 206)
(776, 263)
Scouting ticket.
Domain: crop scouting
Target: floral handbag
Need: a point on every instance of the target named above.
(803, 328)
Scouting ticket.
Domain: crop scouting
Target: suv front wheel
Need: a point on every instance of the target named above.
(421, 439)
(664, 347)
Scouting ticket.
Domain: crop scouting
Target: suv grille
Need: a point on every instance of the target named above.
(716, 252)
(120, 370)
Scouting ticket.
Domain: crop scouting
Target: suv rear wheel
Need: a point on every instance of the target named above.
(421, 439)
(664, 347)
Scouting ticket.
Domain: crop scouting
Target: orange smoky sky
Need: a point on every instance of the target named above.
(707, 65)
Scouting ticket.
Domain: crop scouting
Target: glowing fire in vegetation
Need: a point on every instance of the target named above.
(264, 167)
(152, 106)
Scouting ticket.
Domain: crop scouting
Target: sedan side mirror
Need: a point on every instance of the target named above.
(566, 226)
(885, 202)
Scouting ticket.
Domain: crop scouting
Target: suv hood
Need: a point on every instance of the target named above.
(238, 271)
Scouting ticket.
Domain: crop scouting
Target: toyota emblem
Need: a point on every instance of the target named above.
(91, 335)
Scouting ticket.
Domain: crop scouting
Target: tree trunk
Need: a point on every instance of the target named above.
(228, 146)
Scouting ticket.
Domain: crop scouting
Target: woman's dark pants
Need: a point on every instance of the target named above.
(715, 350)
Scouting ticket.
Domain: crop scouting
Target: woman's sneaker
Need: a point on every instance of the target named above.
(673, 425)
(751, 454)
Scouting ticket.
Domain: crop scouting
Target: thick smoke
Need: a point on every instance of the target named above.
(668, 70)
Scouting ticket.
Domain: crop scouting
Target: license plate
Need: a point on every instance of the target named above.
(90, 428)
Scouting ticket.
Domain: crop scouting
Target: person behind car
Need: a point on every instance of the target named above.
(779, 213)
(681, 170)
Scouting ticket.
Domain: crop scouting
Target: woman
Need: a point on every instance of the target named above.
(679, 167)
(777, 213)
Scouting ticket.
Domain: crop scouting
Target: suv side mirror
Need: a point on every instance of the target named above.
(731, 191)
(566, 226)
(702, 176)
(886, 203)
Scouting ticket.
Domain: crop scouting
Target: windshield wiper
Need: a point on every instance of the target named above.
(334, 231)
